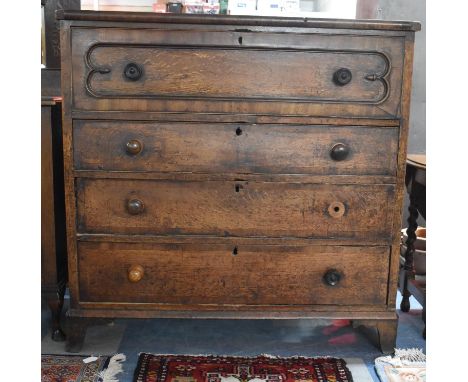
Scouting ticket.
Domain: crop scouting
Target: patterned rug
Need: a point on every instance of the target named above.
(406, 365)
(78, 368)
(181, 368)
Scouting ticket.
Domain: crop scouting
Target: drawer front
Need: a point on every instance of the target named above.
(222, 208)
(243, 72)
(234, 148)
(212, 274)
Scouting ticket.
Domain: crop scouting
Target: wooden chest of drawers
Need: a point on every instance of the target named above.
(234, 167)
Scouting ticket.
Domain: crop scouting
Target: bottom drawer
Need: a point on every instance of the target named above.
(223, 274)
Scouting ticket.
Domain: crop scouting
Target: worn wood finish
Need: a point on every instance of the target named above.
(233, 148)
(235, 209)
(182, 70)
(199, 72)
(283, 275)
(50, 85)
(291, 22)
(402, 152)
(51, 29)
(386, 330)
(415, 181)
(232, 118)
(217, 156)
(53, 237)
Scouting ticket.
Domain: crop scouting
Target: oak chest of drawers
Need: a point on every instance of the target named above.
(234, 167)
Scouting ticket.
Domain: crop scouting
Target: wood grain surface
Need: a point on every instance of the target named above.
(214, 274)
(183, 70)
(235, 209)
(210, 180)
(234, 148)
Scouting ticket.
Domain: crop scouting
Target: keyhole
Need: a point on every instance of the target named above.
(240, 40)
(234, 251)
(238, 131)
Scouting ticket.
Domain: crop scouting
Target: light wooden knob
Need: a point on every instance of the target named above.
(135, 273)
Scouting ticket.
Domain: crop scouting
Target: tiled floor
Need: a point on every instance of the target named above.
(249, 337)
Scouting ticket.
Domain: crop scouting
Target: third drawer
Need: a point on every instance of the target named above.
(230, 208)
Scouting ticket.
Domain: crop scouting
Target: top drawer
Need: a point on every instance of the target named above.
(236, 72)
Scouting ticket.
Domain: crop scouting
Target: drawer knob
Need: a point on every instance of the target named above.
(339, 152)
(135, 206)
(133, 147)
(135, 273)
(342, 77)
(133, 72)
(336, 210)
(332, 277)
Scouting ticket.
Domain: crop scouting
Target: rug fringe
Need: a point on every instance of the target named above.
(404, 357)
(410, 355)
(113, 369)
(292, 357)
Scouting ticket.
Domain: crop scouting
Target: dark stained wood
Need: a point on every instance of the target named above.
(52, 29)
(50, 84)
(415, 181)
(187, 72)
(211, 166)
(53, 234)
(53, 237)
(400, 184)
(233, 148)
(76, 331)
(386, 330)
(233, 118)
(203, 239)
(190, 176)
(215, 274)
(235, 209)
(147, 17)
(233, 312)
(178, 76)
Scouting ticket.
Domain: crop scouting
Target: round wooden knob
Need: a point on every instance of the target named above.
(133, 72)
(135, 273)
(339, 152)
(342, 77)
(135, 206)
(336, 210)
(332, 277)
(133, 147)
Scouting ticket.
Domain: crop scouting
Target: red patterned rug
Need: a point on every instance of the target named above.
(79, 368)
(65, 368)
(181, 368)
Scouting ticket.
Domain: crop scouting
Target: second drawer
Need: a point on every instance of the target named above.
(235, 148)
(223, 208)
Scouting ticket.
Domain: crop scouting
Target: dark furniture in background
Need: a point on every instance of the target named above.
(53, 228)
(416, 187)
(53, 231)
(234, 167)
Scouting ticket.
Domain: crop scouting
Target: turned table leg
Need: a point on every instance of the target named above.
(408, 267)
(55, 302)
